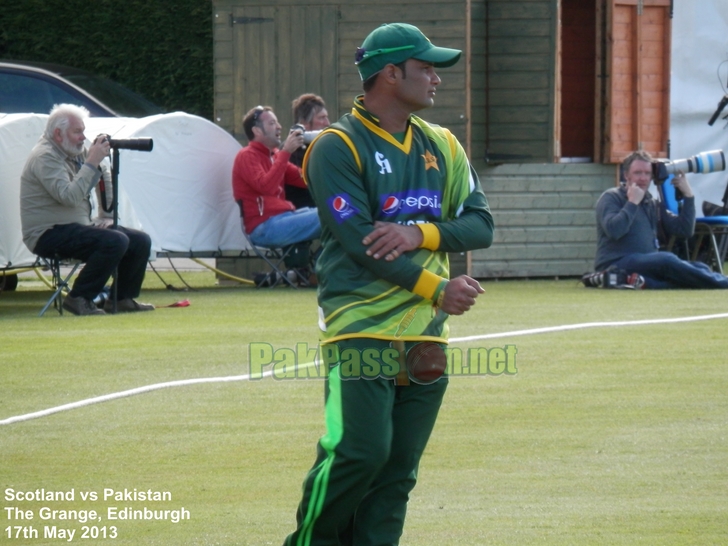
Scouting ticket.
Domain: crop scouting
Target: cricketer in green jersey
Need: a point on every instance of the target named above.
(395, 194)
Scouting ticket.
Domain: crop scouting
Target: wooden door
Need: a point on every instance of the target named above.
(278, 54)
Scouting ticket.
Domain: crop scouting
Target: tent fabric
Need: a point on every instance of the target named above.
(699, 80)
(18, 135)
(180, 192)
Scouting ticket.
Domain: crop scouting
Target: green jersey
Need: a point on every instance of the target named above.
(359, 174)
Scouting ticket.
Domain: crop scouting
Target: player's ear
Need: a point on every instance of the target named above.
(390, 72)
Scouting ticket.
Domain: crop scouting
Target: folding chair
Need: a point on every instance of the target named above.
(60, 283)
(275, 257)
(715, 228)
(712, 227)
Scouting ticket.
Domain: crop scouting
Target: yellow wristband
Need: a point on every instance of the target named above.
(430, 236)
(427, 285)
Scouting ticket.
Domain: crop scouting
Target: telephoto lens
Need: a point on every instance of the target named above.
(702, 163)
(141, 144)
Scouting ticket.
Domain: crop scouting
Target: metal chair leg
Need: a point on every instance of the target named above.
(60, 284)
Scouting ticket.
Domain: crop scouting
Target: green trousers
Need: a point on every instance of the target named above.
(357, 491)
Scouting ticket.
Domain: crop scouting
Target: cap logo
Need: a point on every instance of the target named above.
(362, 54)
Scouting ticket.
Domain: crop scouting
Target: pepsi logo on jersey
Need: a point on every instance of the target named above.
(412, 202)
(341, 207)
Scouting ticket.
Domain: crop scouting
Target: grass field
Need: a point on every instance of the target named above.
(607, 435)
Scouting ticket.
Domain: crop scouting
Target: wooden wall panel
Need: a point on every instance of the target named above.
(544, 217)
(520, 80)
(309, 46)
(254, 79)
(223, 70)
(638, 64)
(268, 55)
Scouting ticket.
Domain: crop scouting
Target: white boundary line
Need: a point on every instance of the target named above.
(186, 382)
(584, 325)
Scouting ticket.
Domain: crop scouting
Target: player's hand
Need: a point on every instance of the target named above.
(635, 194)
(98, 150)
(389, 240)
(293, 142)
(460, 294)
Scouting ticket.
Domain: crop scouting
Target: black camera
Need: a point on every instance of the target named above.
(141, 144)
(308, 136)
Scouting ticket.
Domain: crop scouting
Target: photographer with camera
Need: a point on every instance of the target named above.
(260, 171)
(59, 181)
(628, 219)
(310, 116)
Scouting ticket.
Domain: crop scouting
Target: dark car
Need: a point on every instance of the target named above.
(30, 87)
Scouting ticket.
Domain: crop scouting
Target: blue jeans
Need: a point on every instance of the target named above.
(288, 228)
(665, 270)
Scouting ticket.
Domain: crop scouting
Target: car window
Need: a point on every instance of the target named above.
(21, 93)
(124, 101)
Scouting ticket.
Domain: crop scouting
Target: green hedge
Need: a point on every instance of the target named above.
(159, 48)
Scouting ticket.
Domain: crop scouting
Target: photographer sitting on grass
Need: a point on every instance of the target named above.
(627, 244)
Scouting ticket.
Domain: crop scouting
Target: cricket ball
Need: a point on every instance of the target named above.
(426, 362)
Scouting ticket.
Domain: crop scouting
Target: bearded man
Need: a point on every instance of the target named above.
(59, 182)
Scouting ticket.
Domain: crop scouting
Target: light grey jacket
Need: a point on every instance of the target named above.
(54, 190)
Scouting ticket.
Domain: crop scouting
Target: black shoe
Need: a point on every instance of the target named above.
(611, 277)
(593, 280)
(81, 306)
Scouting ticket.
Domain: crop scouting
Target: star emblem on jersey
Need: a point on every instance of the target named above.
(430, 161)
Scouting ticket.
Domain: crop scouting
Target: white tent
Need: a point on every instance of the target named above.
(181, 190)
(180, 193)
(18, 135)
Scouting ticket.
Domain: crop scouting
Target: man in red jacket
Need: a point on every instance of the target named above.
(260, 171)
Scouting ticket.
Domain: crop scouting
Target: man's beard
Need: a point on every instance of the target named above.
(71, 149)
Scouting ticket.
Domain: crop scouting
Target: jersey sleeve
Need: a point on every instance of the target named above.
(468, 224)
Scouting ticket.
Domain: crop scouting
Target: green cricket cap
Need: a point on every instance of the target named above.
(395, 43)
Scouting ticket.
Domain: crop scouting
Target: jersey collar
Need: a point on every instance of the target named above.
(371, 122)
